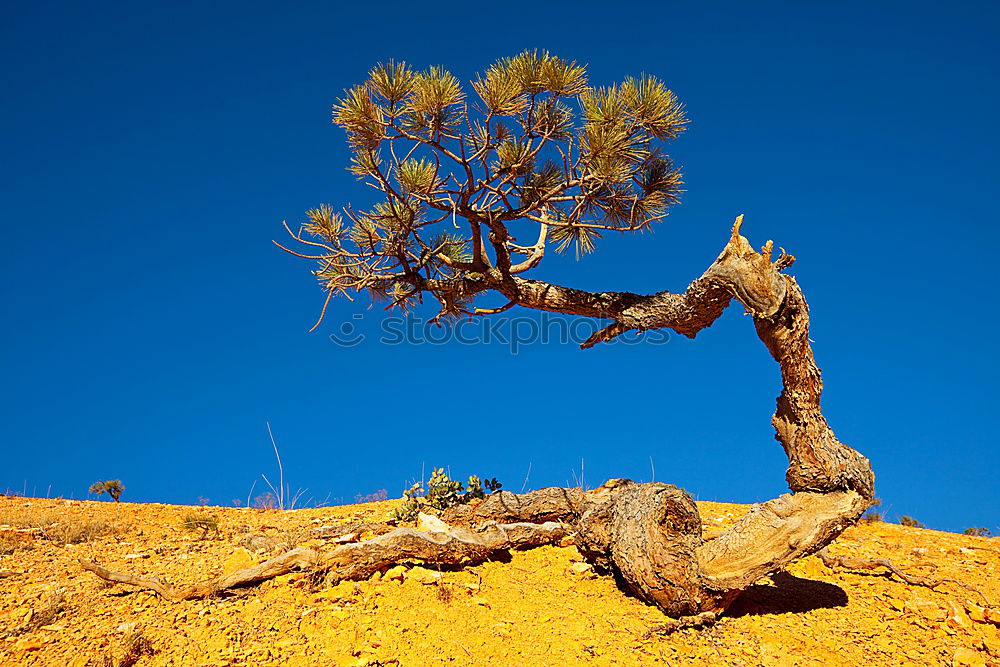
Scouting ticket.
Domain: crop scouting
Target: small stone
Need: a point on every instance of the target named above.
(926, 608)
(398, 573)
(51, 628)
(585, 570)
(423, 575)
(240, 559)
(428, 523)
(335, 593)
(956, 617)
(28, 644)
(347, 538)
(976, 613)
(966, 657)
(567, 541)
(135, 556)
(127, 628)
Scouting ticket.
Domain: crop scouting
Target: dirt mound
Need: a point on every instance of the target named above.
(543, 607)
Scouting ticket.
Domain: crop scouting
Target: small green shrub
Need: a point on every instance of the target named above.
(410, 507)
(112, 487)
(910, 522)
(442, 492)
(978, 532)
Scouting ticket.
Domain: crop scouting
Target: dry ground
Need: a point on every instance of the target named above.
(542, 608)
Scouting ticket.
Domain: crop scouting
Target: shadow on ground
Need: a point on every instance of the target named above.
(787, 594)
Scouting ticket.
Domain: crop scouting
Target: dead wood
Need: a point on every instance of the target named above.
(848, 563)
(649, 535)
(360, 560)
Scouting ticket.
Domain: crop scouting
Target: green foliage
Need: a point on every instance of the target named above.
(410, 507)
(910, 522)
(442, 492)
(978, 532)
(535, 144)
(112, 487)
(205, 523)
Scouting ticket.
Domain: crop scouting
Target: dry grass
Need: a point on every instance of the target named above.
(44, 613)
(19, 530)
(136, 646)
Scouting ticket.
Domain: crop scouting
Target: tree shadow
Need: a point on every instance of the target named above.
(787, 595)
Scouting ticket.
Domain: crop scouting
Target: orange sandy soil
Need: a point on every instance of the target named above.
(537, 609)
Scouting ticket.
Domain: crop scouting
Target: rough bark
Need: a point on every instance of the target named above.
(648, 535)
(360, 560)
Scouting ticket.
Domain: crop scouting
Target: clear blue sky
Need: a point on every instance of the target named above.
(150, 328)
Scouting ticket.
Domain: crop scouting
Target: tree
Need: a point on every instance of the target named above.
(112, 487)
(538, 150)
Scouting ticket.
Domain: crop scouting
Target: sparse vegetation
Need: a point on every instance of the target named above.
(874, 514)
(265, 501)
(376, 497)
(979, 531)
(136, 646)
(112, 487)
(910, 522)
(442, 492)
(50, 525)
(205, 523)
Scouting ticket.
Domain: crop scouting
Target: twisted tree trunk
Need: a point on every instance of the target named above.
(649, 535)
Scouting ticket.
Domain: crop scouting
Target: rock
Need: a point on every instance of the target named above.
(926, 608)
(567, 541)
(966, 657)
(336, 593)
(240, 559)
(347, 538)
(127, 628)
(428, 523)
(957, 617)
(51, 628)
(398, 573)
(28, 644)
(976, 613)
(585, 570)
(423, 575)
(135, 556)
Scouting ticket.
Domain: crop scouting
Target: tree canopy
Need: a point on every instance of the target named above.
(533, 152)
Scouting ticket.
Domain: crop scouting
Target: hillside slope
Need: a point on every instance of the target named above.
(541, 608)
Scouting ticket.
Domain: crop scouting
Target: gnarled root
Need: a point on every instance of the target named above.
(649, 535)
(359, 560)
(846, 563)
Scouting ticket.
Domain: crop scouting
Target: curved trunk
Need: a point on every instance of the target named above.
(649, 535)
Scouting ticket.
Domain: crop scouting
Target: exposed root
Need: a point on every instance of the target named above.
(846, 563)
(359, 560)
(648, 535)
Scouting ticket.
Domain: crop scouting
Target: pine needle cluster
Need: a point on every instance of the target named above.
(532, 143)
